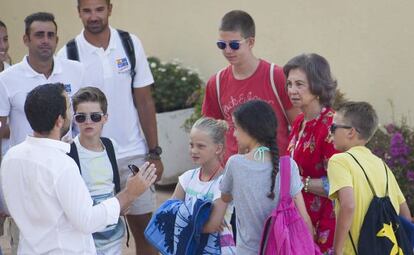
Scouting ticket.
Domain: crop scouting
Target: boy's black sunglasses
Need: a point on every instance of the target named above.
(334, 127)
(94, 116)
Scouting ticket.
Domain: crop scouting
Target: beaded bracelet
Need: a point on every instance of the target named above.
(307, 180)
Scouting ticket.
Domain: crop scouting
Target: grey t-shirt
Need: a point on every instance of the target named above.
(248, 181)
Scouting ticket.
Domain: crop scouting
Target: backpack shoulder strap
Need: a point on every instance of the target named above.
(366, 176)
(218, 90)
(130, 52)
(372, 190)
(386, 174)
(272, 82)
(352, 242)
(285, 173)
(72, 50)
(74, 154)
(111, 155)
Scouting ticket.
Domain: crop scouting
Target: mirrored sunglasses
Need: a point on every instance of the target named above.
(234, 45)
(94, 117)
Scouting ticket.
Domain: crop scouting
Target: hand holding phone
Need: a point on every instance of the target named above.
(142, 179)
(134, 169)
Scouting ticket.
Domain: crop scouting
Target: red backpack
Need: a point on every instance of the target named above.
(285, 231)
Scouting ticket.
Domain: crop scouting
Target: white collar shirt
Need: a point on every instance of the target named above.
(5, 142)
(109, 70)
(18, 80)
(48, 199)
(6, 65)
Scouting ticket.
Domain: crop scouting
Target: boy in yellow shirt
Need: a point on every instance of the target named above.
(353, 126)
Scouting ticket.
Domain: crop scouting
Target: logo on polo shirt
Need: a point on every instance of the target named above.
(122, 64)
(68, 88)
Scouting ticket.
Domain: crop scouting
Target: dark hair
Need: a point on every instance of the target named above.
(318, 73)
(108, 2)
(238, 21)
(361, 116)
(44, 104)
(38, 16)
(258, 119)
(2, 24)
(90, 94)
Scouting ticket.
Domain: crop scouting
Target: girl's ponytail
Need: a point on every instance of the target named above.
(274, 152)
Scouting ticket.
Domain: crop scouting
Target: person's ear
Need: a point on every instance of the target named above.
(26, 39)
(59, 122)
(109, 10)
(220, 149)
(251, 41)
(105, 118)
(352, 133)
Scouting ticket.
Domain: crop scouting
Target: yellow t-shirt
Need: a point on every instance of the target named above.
(343, 171)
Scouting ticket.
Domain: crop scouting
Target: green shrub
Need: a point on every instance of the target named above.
(175, 86)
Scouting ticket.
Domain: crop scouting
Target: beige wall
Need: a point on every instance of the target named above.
(368, 43)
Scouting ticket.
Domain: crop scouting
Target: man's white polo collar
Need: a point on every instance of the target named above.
(47, 142)
(91, 48)
(30, 72)
(6, 65)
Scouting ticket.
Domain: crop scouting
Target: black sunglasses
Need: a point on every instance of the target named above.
(94, 116)
(234, 45)
(334, 127)
(134, 169)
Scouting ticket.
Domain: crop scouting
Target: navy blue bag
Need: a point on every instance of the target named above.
(381, 232)
(409, 229)
(176, 228)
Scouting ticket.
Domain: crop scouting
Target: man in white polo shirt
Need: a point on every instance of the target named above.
(108, 66)
(38, 67)
(4, 47)
(4, 64)
(43, 189)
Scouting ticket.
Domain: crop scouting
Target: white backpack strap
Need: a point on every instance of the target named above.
(218, 90)
(272, 81)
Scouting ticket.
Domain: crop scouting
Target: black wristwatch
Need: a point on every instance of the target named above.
(155, 153)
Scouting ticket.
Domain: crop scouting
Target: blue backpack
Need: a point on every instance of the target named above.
(176, 228)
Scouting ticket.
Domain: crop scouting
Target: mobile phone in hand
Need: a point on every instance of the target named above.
(134, 169)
